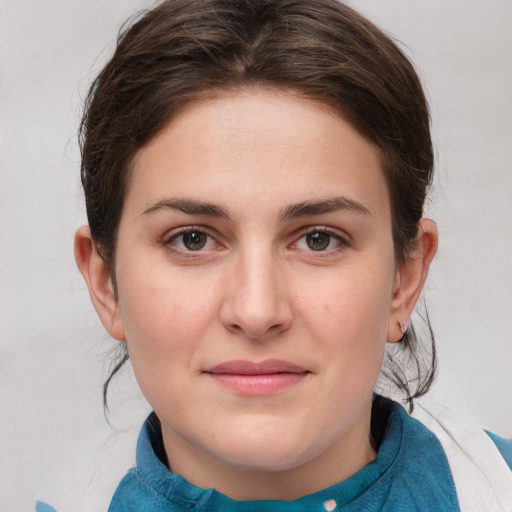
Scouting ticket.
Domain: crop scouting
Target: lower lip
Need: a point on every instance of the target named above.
(263, 384)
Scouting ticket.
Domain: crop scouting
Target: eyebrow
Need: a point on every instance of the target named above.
(308, 208)
(293, 211)
(190, 207)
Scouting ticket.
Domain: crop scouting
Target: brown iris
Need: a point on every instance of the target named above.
(318, 241)
(195, 240)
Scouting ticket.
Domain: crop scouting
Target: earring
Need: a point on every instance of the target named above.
(403, 328)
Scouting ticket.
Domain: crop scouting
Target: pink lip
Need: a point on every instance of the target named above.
(250, 378)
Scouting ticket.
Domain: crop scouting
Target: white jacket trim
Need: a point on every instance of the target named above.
(482, 478)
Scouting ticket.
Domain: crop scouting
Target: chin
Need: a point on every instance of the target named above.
(265, 460)
(274, 453)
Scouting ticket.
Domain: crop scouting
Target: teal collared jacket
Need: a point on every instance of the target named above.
(411, 473)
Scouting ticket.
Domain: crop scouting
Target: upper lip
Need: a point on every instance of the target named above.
(241, 367)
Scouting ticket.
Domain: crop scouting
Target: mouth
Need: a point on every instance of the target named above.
(251, 378)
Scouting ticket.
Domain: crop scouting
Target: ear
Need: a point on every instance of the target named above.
(99, 282)
(410, 278)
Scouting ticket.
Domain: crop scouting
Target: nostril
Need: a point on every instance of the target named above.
(235, 329)
(255, 333)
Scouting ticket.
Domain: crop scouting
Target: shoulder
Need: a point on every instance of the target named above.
(504, 447)
(133, 494)
(414, 471)
(477, 461)
(129, 493)
(151, 485)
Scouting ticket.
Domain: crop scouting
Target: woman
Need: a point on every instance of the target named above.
(255, 174)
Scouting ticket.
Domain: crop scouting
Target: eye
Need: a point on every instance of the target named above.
(191, 239)
(195, 240)
(320, 240)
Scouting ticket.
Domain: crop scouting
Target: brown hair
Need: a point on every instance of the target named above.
(323, 49)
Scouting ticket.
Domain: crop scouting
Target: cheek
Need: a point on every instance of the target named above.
(164, 316)
(354, 306)
(165, 326)
(348, 318)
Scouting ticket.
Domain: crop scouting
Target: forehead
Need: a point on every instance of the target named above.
(253, 144)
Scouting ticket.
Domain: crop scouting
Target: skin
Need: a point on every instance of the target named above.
(258, 289)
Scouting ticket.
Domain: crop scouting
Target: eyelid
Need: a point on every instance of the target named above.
(342, 238)
(174, 234)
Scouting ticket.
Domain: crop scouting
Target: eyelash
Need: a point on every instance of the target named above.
(341, 241)
(168, 242)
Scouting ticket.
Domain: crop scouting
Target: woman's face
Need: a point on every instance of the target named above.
(256, 279)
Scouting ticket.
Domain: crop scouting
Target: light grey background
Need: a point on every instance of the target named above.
(55, 443)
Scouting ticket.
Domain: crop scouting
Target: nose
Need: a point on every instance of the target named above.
(256, 301)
